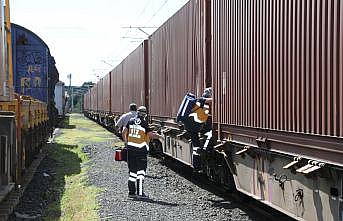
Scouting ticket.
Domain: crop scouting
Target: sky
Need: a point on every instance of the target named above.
(89, 38)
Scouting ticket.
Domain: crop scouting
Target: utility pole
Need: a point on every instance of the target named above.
(70, 94)
(72, 99)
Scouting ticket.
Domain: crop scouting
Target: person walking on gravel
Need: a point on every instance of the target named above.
(136, 134)
(126, 117)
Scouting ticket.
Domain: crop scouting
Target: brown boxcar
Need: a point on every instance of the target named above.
(177, 63)
(278, 79)
(100, 97)
(107, 93)
(135, 77)
(94, 99)
(277, 71)
(117, 90)
(86, 100)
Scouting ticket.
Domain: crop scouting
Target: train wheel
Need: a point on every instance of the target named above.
(218, 171)
(228, 180)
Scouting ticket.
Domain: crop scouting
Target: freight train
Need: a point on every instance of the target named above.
(27, 77)
(276, 69)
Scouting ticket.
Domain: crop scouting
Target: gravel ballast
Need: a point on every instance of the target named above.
(171, 196)
(174, 194)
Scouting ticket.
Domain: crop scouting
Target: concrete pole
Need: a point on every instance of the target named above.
(72, 99)
(70, 94)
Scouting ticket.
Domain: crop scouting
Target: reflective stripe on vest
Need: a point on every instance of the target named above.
(137, 136)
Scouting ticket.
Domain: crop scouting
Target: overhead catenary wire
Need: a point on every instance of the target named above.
(145, 7)
(140, 28)
(129, 44)
(158, 10)
(129, 30)
(155, 13)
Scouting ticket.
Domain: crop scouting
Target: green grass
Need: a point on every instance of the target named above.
(76, 198)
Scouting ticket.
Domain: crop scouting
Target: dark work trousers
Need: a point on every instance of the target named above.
(137, 163)
(194, 129)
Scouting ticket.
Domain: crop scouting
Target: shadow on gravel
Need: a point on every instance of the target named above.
(155, 177)
(42, 198)
(159, 202)
(65, 124)
(69, 127)
(229, 199)
(67, 163)
(224, 204)
(201, 181)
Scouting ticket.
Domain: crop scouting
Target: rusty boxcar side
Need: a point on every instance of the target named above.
(177, 63)
(117, 90)
(276, 68)
(94, 98)
(135, 76)
(100, 97)
(107, 93)
(277, 73)
(86, 101)
(278, 101)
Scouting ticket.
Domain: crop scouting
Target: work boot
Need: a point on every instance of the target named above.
(132, 187)
(132, 195)
(197, 164)
(143, 196)
(200, 150)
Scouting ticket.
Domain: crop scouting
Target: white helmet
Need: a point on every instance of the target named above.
(207, 92)
(142, 111)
